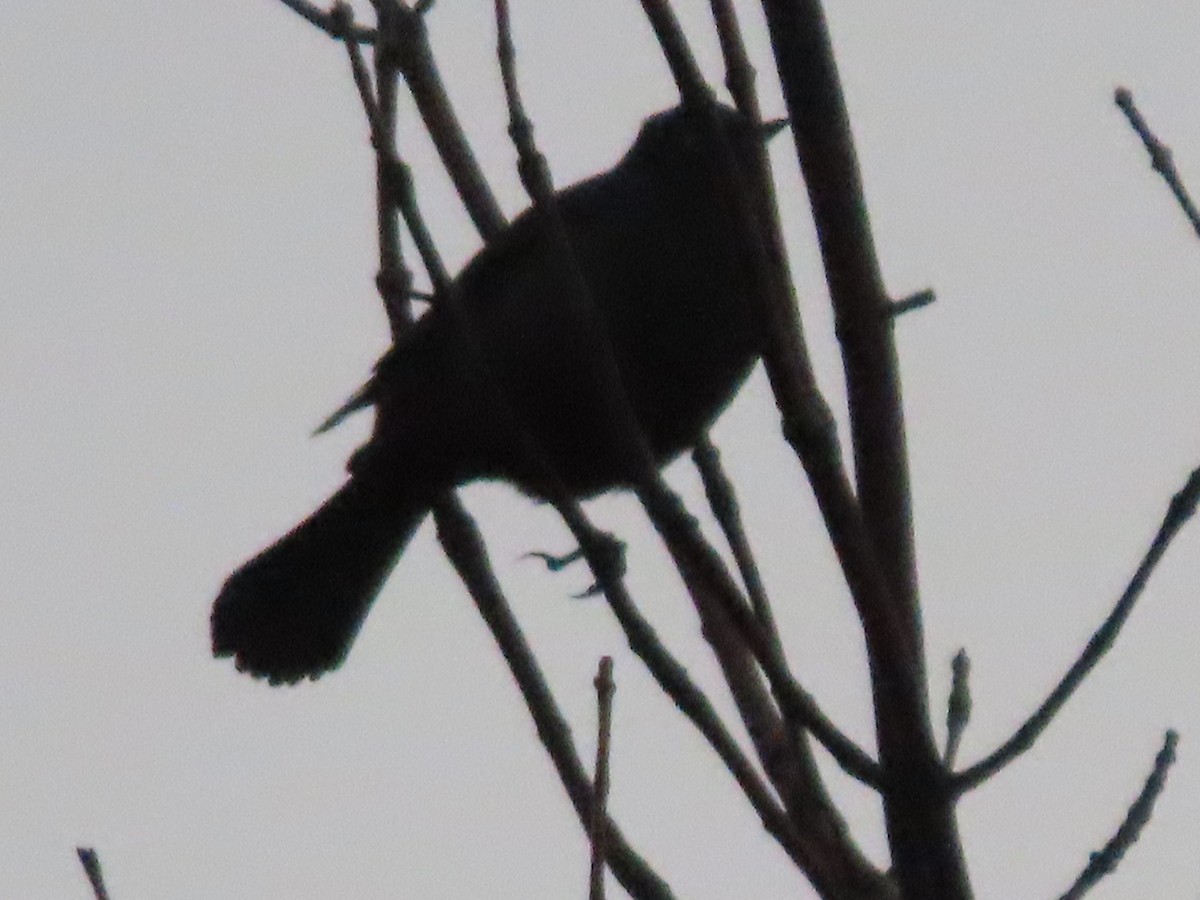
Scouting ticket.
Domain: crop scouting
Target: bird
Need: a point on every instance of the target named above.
(656, 241)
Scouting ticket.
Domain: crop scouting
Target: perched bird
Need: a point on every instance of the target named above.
(659, 251)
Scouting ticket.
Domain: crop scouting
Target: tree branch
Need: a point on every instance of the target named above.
(90, 860)
(721, 499)
(1180, 509)
(1106, 861)
(604, 695)
(464, 547)
(1161, 158)
(329, 21)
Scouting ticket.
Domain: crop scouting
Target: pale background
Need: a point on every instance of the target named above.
(186, 255)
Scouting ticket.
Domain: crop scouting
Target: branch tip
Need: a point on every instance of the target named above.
(958, 708)
(1105, 861)
(1179, 510)
(908, 304)
(1160, 155)
(90, 860)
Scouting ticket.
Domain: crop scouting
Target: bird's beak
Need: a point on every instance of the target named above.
(773, 127)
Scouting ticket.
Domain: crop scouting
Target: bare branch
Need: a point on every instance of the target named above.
(408, 40)
(820, 125)
(328, 22)
(719, 491)
(598, 830)
(958, 709)
(1180, 509)
(1161, 158)
(692, 702)
(464, 547)
(740, 76)
(91, 866)
(706, 577)
(342, 17)
(918, 300)
(871, 523)
(1106, 861)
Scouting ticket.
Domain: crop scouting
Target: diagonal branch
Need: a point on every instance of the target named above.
(1180, 509)
(1161, 158)
(408, 39)
(721, 499)
(871, 531)
(464, 547)
(692, 702)
(808, 419)
(90, 860)
(329, 22)
(1105, 861)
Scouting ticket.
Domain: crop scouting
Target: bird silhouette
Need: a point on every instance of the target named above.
(658, 248)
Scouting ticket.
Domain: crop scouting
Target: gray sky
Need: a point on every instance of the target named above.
(186, 263)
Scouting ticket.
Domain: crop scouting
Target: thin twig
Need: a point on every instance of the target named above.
(1161, 158)
(342, 15)
(1106, 860)
(408, 39)
(705, 574)
(740, 76)
(958, 708)
(1180, 509)
(693, 703)
(721, 499)
(599, 832)
(91, 866)
(394, 279)
(328, 22)
(919, 300)
(464, 547)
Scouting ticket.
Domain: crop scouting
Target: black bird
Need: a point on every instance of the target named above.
(659, 251)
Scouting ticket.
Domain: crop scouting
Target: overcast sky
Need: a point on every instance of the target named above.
(186, 264)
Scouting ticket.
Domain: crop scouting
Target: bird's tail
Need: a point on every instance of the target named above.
(294, 610)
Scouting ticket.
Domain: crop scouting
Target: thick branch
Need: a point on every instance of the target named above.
(926, 849)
